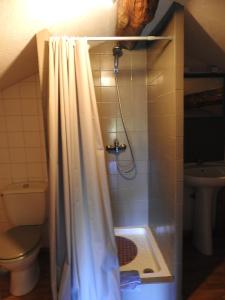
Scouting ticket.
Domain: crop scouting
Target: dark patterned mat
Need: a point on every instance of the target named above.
(127, 250)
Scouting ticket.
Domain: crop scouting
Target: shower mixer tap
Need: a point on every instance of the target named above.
(116, 147)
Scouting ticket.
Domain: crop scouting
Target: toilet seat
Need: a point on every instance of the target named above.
(19, 241)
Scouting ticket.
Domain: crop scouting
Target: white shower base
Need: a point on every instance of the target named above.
(148, 258)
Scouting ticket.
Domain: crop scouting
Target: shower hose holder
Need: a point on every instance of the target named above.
(116, 147)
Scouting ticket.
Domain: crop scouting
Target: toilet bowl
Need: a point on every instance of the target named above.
(20, 245)
(18, 254)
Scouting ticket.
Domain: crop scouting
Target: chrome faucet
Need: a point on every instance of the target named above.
(116, 147)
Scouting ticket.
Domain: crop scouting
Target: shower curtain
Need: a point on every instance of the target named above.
(84, 264)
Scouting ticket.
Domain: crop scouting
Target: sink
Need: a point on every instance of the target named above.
(205, 175)
(206, 179)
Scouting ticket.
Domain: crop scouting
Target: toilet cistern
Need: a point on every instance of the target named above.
(207, 179)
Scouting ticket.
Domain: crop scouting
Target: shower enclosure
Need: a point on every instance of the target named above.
(150, 83)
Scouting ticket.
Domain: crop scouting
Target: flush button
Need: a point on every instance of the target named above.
(26, 185)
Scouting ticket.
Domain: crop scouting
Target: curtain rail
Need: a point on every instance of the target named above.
(123, 38)
(129, 38)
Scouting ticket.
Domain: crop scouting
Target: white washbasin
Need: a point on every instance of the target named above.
(205, 175)
(206, 179)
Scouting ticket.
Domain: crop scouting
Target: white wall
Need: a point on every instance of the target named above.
(22, 146)
(21, 20)
(204, 35)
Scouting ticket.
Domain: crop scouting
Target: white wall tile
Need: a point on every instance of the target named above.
(108, 137)
(129, 212)
(14, 123)
(2, 124)
(44, 171)
(131, 209)
(105, 47)
(125, 62)
(31, 123)
(16, 139)
(34, 155)
(22, 147)
(107, 62)
(33, 78)
(35, 171)
(19, 172)
(2, 108)
(11, 92)
(3, 140)
(139, 60)
(112, 167)
(113, 182)
(108, 110)
(107, 78)
(108, 124)
(96, 78)
(129, 123)
(12, 107)
(5, 171)
(29, 106)
(139, 76)
(4, 155)
(124, 78)
(140, 145)
(17, 155)
(98, 93)
(32, 139)
(41, 124)
(95, 61)
(108, 94)
(28, 90)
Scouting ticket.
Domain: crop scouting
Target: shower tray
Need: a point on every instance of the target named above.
(138, 250)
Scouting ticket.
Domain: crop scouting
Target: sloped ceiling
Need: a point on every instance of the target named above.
(204, 34)
(162, 10)
(20, 20)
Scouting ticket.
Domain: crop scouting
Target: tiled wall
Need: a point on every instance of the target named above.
(22, 146)
(129, 196)
(151, 87)
(165, 109)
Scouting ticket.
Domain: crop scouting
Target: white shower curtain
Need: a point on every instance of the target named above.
(84, 264)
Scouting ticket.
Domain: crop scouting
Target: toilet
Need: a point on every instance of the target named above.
(25, 206)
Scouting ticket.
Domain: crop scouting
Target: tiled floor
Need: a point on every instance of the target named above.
(204, 276)
(42, 290)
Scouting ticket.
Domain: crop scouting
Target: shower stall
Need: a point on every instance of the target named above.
(139, 95)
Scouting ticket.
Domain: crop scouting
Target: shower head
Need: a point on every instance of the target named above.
(117, 52)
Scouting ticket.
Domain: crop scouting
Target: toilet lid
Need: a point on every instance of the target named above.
(18, 241)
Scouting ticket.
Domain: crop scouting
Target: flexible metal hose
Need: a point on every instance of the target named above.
(119, 167)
